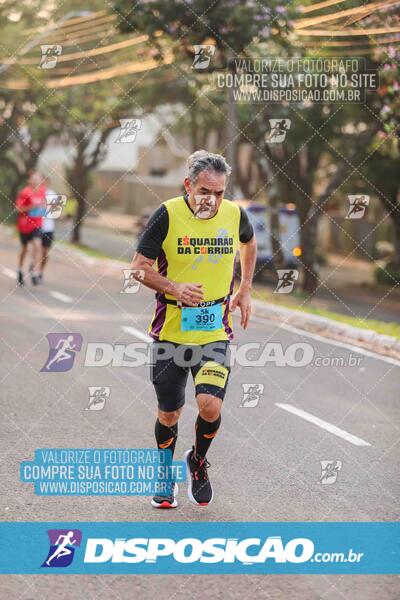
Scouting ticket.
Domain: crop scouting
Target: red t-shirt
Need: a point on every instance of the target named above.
(32, 219)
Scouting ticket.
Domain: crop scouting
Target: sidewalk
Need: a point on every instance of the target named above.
(347, 286)
(117, 222)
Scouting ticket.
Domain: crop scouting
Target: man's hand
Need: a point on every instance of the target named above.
(242, 299)
(187, 293)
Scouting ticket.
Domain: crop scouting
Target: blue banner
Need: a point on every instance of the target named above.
(195, 548)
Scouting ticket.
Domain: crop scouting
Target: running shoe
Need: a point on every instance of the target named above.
(20, 278)
(200, 491)
(35, 279)
(166, 501)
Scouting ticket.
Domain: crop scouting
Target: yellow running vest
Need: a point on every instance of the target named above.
(197, 251)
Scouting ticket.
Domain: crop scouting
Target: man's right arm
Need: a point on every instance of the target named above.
(148, 249)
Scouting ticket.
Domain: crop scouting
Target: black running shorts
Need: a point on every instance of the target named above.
(170, 366)
(28, 237)
(47, 238)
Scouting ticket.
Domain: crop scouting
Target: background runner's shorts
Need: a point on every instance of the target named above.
(47, 238)
(170, 366)
(28, 237)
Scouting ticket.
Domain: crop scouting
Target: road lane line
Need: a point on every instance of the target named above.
(137, 333)
(9, 273)
(61, 297)
(353, 439)
(325, 340)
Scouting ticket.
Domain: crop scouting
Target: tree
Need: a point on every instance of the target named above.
(228, 25)
(91, 113)
(35, 118)
(325, 144)
(383, 166)
(81, 116)
(23, 124)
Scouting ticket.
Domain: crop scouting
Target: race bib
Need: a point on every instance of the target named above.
(201, 318)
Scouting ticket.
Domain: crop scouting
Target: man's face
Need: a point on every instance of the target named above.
(35, 180)
(206, 193)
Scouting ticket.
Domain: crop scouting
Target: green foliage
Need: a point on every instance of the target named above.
(232, 24)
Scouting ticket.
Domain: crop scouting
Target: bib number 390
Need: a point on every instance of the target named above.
(201, 318)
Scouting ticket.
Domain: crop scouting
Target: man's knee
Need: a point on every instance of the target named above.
(169, 418)
(209, 407)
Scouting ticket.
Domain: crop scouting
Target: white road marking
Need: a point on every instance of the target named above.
(9, 273)
(353, 439)
(325, 340)
(137, 333)
(61, 297)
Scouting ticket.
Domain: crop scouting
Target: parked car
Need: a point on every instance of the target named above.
(289, 224)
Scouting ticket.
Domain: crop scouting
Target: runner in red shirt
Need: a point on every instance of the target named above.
(31, 204)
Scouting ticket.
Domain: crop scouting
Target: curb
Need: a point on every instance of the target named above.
(366, 338)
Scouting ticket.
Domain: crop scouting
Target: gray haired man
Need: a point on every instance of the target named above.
(194, 239)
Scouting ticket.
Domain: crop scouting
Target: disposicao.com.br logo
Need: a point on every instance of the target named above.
(248, 551)
(200, 547)
(191, 550)
(64, 346)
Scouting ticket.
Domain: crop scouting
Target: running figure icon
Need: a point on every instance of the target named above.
(62, 549)
(63, 545)
(357, 206)
(63, 346)
(62, 351)
(286, 280)
(278, 131)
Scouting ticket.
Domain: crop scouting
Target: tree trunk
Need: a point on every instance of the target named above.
(27, 161)
(391, 204)
(78, 175)
(194, 130)
(231, 129)
(80, 191)
(308, 243)
(16, 177)
(78, 181)
(17, 185)
(396, 260)
(76, 231)
(309, 227)
(278, 259)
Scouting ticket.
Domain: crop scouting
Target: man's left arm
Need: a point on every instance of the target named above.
(248, 254)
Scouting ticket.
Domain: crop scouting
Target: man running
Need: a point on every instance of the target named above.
(30, 205)
(194, 239)
(47, 226)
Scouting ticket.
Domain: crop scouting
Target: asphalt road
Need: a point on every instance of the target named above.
(265, 460)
